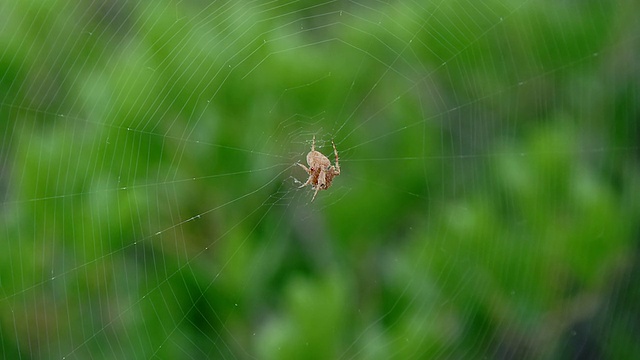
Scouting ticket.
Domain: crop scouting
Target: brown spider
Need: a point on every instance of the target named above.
(320, 170)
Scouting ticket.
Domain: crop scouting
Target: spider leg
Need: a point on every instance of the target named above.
(313, 144)
(306, 183)
(309, 172)
(315, 193)
(305, 168)
(335, 151)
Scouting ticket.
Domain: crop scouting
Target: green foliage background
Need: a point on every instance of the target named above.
(488, 205)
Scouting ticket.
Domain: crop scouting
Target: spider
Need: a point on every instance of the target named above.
(320, 170)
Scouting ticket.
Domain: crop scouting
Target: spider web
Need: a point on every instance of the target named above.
(487, 204)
